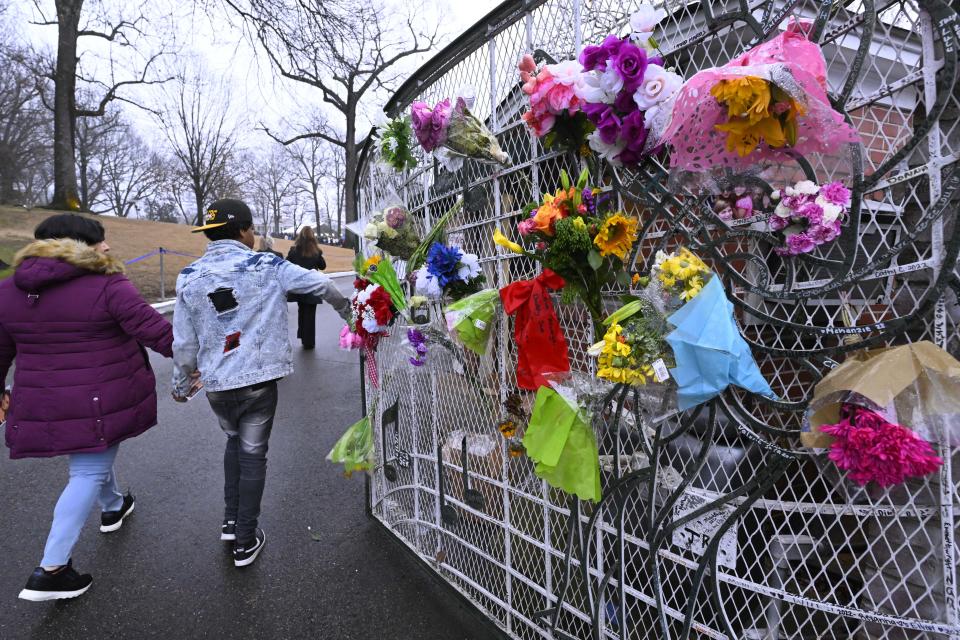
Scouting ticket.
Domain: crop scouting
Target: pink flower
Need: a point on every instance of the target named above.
(778, 224)
(871, 449)
(430, 125)
(836, 193)
(527, 64)
(349, 340)
(539, 123)
(541, 246)
(812, 212)
(527, 227)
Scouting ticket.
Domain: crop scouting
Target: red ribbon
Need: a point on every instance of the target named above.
(541, 345)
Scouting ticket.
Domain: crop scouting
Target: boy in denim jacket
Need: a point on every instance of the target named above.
(230, 323)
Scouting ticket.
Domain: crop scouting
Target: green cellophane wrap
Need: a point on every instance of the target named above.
(471, 319)
(560, 440)
(354, 449)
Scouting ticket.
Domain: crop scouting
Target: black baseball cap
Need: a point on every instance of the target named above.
(223, 211)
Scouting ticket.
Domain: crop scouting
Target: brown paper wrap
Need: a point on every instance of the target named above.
(918, 381)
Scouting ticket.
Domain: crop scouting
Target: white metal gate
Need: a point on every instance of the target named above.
(795, 552)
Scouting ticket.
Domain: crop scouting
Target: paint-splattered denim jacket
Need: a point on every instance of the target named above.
(230, 318)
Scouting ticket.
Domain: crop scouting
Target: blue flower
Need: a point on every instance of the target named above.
(442, 263)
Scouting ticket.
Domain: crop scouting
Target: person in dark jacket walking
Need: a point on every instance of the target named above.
(306, 253)
(83, 384)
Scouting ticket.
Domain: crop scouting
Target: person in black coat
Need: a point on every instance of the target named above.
(306, 253)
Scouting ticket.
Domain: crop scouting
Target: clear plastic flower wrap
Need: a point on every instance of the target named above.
(453, 127)
(391, 228)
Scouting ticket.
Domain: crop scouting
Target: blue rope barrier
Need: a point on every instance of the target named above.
(158, 252)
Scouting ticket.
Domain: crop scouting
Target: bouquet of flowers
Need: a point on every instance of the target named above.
(576, 233)
(376, 302)
(633, 349)
(681, 274)
(871, 449)
(557, 93)
(757, 109)
(454, 128)
(392, 230)
(396, 144)
(809, 215)
(449, 271)
(626, 92)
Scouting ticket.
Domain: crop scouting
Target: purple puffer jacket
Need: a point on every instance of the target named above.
(75, 324)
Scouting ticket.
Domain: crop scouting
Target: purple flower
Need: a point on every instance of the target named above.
(395, 217)
(836, 193)
(595, 57)
(589, 201)
(812, 212)
(635, 134)
(419, 343)
(430, 125)
(624, 102)
(608, 124)
(631, 63)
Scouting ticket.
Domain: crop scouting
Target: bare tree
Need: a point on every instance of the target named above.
(92, 140)
(275, 183)
(132, 173)
(345, 50)
(66, 70)
(25, 129)
(202, 134)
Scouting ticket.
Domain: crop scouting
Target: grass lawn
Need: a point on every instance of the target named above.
(129, 239)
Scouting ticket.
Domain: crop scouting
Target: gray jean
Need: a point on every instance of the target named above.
(246, 416)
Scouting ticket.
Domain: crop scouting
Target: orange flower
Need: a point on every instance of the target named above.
(547, 215)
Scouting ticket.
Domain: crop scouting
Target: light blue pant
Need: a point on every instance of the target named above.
(91, 478)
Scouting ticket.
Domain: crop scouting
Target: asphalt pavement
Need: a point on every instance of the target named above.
(327, 572)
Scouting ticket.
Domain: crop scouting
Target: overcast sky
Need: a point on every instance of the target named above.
(250, 83)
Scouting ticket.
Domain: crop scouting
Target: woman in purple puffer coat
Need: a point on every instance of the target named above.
(82, 384)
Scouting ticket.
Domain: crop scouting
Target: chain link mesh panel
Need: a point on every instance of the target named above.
(724, 527)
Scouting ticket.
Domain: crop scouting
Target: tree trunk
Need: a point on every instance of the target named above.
(199, 197)
(65, 83)
(349, 177)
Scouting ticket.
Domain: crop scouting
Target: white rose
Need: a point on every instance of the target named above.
(783, 211)
(775, 195)
(807, 188)
(790, 191)
(658, 85)
(645, 18)
(608, 152)
(370, 231)
(610, 81)
(566, 73)
(589, 89)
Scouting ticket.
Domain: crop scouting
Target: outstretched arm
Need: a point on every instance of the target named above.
(137, 318)
(296, 279)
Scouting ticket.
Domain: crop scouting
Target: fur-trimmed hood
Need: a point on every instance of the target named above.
(47, 262)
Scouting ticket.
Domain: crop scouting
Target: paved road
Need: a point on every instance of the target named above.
(167, 575)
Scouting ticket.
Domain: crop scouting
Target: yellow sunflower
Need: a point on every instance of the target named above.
(616, 236)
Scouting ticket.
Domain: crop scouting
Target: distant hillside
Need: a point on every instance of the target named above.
(130, 239)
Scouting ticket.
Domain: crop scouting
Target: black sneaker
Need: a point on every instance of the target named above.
(113, 520)
(65, 583)
(245, 554)
(228, 532)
